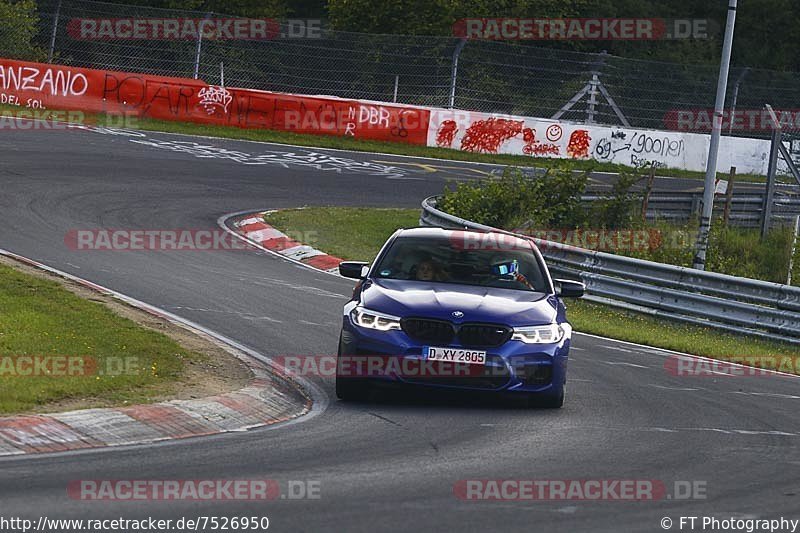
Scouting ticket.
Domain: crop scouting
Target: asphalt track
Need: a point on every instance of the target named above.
(390, 464)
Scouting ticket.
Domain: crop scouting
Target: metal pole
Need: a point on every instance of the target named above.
(53, 35)
(713, 149)
(736, 97)
(769, 197)
(222, 74)
(794, 250)
(396, 83)
(772, 169)
(590, 110)
(199, 46)
(454, 73)
(594, 85)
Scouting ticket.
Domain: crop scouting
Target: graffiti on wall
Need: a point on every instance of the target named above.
(536, 148)
(43, 79)
(446, 134)
(534, 137)
(488, 135)
(183, 99)
(214, 99)
(578, 147)
(639, 148)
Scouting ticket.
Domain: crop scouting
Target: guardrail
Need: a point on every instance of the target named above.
(747, 210)
(738, 305)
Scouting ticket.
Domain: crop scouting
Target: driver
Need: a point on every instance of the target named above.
(429, 270)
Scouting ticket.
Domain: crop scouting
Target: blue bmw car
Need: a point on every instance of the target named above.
(456, 309)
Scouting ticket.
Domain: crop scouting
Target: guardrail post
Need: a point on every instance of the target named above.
(647, 191)
(729, 196)
(694, 209)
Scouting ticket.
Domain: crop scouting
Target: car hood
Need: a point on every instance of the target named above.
(405, 298)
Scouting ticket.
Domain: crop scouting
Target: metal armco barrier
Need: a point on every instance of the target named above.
(746, 209)
(737, 305)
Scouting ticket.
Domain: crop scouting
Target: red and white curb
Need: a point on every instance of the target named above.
(253, 228)
(269, 398)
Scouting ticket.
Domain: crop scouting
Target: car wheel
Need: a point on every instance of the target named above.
(349, 388)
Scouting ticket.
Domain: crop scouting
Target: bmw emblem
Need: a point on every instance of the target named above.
(457, 314)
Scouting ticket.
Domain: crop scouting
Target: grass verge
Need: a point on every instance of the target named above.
(334, 228)
(361, 145)
(95, 356)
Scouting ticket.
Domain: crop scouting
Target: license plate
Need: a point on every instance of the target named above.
(454, 355)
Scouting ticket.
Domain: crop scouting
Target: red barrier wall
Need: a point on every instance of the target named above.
(59, 87)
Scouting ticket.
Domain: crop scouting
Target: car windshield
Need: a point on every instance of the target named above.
(476, 260)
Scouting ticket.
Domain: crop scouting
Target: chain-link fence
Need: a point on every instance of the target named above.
(502, 77)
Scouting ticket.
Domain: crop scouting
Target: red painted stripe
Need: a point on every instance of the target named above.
(255, 226)
(280, 243)
(169, 420)
(33, 434)
(323, 262)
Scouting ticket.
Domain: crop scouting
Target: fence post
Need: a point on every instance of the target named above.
(647, 191)
(594, 85)
(200, 28)
(396, 83)
(770, 194)
(794, 250)
(454, 72)
(729, 196)
(53, 35)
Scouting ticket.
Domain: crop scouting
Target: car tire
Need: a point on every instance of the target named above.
(348, 388)
(550, 401)
(351, 389)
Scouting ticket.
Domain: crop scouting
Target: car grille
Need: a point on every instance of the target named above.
(471, 335)
(483, 335)
(427, 330)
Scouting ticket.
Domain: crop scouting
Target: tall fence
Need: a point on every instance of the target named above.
(503, 77)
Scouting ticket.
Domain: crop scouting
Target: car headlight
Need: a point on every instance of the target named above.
(367, 318)
(549, 334)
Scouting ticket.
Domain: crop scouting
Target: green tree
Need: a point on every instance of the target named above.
(18, 29)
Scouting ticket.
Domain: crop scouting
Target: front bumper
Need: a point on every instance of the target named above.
(512, 367)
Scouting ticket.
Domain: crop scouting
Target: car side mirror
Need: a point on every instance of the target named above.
(567, 288)
(354, 269)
